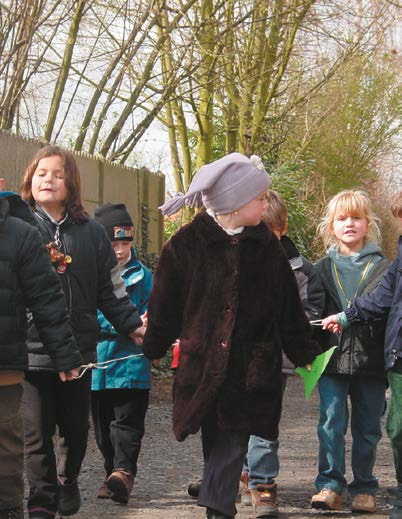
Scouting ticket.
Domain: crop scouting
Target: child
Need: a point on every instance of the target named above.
(83, 258)
(120, 392)
(26, 278)
(262, 465)
(223, 286)
(353, 265)
(385, 300)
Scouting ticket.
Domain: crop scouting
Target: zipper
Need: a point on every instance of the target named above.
(70, 292)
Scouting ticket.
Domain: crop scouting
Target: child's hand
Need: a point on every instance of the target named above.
(138, 335)
(144, 318)
(67, 376)
(331, 324)
(308, 367)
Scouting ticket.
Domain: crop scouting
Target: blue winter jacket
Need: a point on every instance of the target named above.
(385, 299)
(134, 372)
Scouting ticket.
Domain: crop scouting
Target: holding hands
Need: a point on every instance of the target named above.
(331, 324)
(138, 334)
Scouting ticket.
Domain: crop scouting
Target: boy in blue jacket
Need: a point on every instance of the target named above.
(385, 299)
(120, 392)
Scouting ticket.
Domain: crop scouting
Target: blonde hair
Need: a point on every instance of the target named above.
(276, 214)
(396, 205)
(349, 203)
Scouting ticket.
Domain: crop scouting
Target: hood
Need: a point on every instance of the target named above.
(13, 205)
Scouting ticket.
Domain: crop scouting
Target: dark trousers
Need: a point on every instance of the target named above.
(118, 416)
(224, 453)
(11, 448)
(48, 402)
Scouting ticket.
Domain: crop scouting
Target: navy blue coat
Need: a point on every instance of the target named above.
(384, 300)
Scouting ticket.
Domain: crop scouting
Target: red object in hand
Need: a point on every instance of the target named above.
(176, 355)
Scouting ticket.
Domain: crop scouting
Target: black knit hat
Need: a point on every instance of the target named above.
(116, 220)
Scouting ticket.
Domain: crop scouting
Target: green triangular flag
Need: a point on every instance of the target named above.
(317, 367)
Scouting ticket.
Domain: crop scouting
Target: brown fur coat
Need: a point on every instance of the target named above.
(234, 302)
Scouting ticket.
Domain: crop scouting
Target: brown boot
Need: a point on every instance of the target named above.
(263, 498)
(104, 491)
(244, 490)
(120, 482)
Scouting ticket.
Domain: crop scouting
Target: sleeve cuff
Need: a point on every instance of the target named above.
(342, 319)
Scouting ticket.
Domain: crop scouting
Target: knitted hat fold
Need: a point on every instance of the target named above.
(223, 185)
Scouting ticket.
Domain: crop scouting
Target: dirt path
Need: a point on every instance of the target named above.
(166, 466)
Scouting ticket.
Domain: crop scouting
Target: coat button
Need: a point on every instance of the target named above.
(224, 345)
(235, 241)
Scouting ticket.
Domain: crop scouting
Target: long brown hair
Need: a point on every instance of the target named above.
(73, 203)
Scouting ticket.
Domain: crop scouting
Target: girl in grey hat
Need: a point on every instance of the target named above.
(224, 287)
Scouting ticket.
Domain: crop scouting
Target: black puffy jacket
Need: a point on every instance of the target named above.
(27, 279)
(87, 286)
(361, 346)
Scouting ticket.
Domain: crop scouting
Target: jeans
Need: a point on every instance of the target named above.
(11, 447)
(367, 397)
(262, 461)
(394, 420)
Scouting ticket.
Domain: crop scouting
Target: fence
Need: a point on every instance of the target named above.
(102, 181)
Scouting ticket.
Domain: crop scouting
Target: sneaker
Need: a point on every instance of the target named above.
(104, 491)
(263, 499)
(120, 482)
(12, 513)
(244, 490)
(69, 498)
(364, 503)
(193, 489)
(326, 499)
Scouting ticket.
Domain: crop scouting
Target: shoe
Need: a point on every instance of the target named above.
(120, 482)
(12, 513)
(364, 503)
(214, 514)
(104, 491)
(263, 499)
(69, 498)
(326, 499)
(194, 489)
(244, 490)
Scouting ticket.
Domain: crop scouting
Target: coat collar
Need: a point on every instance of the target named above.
(213, 233)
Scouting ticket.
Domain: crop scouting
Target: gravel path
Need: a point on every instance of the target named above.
(166, 466)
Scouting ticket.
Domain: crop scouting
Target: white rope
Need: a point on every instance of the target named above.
(317, 322)
(99, 365)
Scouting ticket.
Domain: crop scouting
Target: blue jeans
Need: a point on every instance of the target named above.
(367, 397)
(262, 462)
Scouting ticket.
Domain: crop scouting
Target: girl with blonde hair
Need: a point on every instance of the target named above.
(353, 265)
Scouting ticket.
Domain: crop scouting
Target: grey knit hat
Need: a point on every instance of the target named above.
(224, 185)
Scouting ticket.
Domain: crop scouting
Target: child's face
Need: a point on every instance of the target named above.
(350, 231)
(251, 213)
(122, 250)
(48, 183)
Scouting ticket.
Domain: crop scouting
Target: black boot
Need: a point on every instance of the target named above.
(69, 498)
(214, 514)
(396, 511)
(194, 488)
